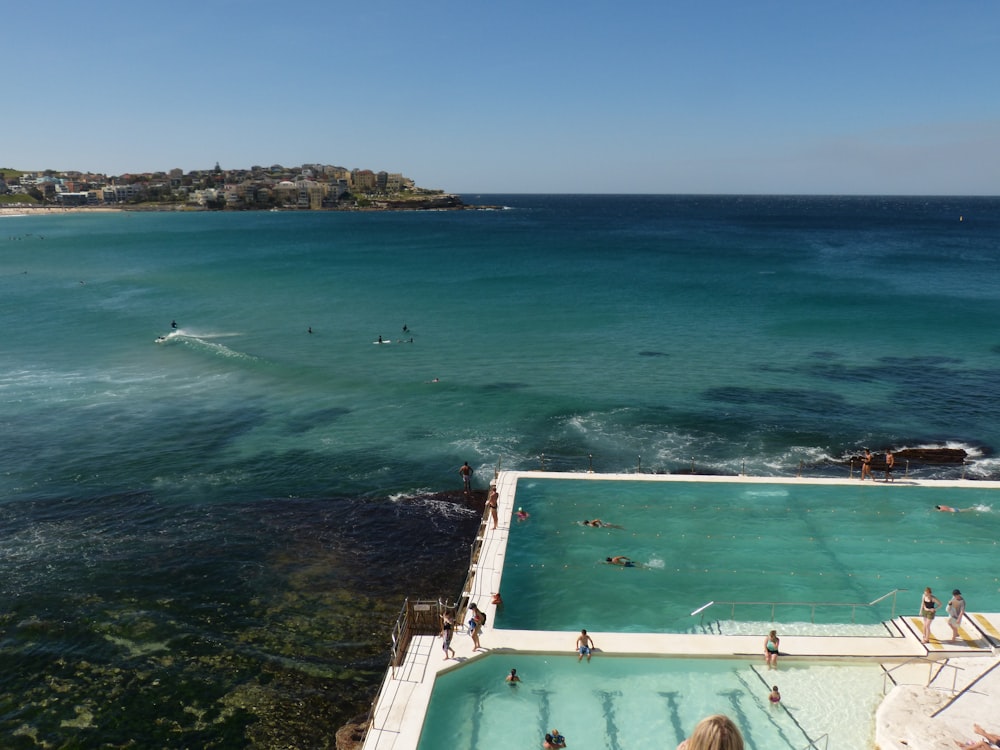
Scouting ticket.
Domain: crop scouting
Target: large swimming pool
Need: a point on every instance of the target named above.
(701, 541)
(620, 703)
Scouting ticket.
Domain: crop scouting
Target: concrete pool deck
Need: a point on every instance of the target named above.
(943, 688)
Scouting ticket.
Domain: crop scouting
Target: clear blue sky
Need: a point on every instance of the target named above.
(588, 96)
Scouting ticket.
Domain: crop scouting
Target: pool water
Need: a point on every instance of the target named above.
(613, 703)
(700, 541)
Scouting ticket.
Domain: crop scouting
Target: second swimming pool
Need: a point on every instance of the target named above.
(613, 703)
(699, 541)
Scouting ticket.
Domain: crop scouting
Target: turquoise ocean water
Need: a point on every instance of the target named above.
(204, 541)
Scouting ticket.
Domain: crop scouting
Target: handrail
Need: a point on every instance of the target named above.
(931, 663)
(886, 596)
(812, 605)
(962, 692)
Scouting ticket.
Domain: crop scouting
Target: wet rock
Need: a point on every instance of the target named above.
(352, 735)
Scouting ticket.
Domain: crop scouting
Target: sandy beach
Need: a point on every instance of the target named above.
(40, 210)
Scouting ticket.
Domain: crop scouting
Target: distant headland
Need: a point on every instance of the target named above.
(309, 187)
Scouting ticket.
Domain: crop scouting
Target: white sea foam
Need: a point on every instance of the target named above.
(437, 506)
(205, 341)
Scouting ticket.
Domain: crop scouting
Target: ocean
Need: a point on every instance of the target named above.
(206, 539)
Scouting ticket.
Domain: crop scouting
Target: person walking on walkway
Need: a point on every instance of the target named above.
(447, 631)
(956, 611)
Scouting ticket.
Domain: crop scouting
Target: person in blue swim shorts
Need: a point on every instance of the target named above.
(584, 645)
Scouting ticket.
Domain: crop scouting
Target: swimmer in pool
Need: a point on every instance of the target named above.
(949, 509)
(620, 560)
(598, 523)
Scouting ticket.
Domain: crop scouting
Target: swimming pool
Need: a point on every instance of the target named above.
(701, 541)
(613, 703)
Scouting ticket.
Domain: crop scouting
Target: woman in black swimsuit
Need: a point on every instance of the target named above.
(928, 609)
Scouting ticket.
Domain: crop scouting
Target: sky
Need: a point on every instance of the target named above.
(538, 96)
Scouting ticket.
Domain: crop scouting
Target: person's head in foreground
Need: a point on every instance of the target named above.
(714, 733)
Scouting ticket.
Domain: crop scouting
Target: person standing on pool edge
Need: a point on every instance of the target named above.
(866, 465)
(492, 499)
(928, 609)
(890, 461)
(476, 620)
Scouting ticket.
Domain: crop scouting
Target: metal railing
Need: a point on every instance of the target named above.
(415, 618)
(931, 674)
(813, 606)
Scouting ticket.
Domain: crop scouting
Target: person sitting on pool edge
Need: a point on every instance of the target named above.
(620, 560)
(771, 649)
(584, 646)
